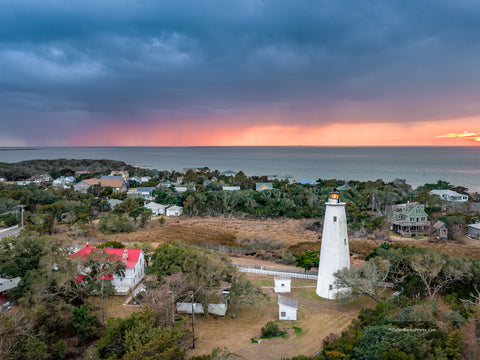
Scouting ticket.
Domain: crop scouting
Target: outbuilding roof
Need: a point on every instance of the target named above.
(282, 300)
(474, 226)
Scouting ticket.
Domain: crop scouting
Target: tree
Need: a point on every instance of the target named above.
(243, 291)
(85, 323)
(363, 279)
(111, 244)
(308, 260)
(205, 269)
(437, 271)
(140, 336)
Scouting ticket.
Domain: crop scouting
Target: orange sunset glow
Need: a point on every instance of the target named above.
(335, 134)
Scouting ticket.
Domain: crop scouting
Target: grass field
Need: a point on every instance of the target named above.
(282, 235)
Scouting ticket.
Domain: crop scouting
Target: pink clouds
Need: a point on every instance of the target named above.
(205, 132)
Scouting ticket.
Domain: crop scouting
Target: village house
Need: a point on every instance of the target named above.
(134, 260)
(122, 173)
(117, 183)
(410, 219)
(64, 181)
(474, 231)
(231, 188)
(228, 173)
(174, 211)
(263, 186)
(145, 192)
(287, 308)
(449, 195)
(157, 209)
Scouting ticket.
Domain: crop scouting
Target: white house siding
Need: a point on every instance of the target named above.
(174, 211)
(286, 313)
(132, 276)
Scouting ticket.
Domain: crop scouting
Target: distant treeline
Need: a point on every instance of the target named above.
(67, 167)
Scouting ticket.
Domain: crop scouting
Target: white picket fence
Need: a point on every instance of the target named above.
(277, 273)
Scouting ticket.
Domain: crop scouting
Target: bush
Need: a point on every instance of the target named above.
(86, 324)
(111, 244)
(270, 330)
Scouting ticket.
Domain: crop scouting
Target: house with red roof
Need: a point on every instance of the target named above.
(134, 260)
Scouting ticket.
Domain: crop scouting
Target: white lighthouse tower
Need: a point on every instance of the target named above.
(334, 254)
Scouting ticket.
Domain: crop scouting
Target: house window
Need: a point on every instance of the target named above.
(330, 287)
(283, 314)
(423, 218)
(411, 219)
(345, 241)
(283, 285)
(334, 219)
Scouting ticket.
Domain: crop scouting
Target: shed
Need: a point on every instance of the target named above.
(287, 308)
(282, 284)
(174, 211)
(441, 230)
(474, 230)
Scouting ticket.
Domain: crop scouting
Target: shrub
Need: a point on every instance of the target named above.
(270, 330)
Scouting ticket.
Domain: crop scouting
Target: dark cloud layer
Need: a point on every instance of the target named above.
(67, 65)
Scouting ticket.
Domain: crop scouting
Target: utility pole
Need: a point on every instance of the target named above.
(193, 324)
(22, 206)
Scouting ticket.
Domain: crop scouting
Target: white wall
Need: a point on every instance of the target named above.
(132, 275)
(286, 313)
(282, 285)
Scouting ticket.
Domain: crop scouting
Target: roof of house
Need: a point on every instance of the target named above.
(115, 183)
(282, 300)
(145, 189)
(111, 177)
(7, 284)
(445, 192)
(132, 254)
(308, 182)
(474, 226)
(438, 225)
(154, 205)
(263, 186)
(113, 202)
(92, 181)
(175, 207)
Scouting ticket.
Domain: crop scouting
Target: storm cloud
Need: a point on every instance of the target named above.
(71, 66)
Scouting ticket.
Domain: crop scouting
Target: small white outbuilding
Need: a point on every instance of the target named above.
(287, 308)
(282, 284)
(174, 211)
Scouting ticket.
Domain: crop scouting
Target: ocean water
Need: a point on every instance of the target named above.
(418, 165)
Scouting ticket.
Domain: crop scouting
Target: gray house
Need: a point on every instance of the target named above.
(474, 231)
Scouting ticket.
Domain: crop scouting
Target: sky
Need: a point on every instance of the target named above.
(222, 72)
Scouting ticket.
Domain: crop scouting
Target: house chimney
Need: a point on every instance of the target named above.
(125, 256)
